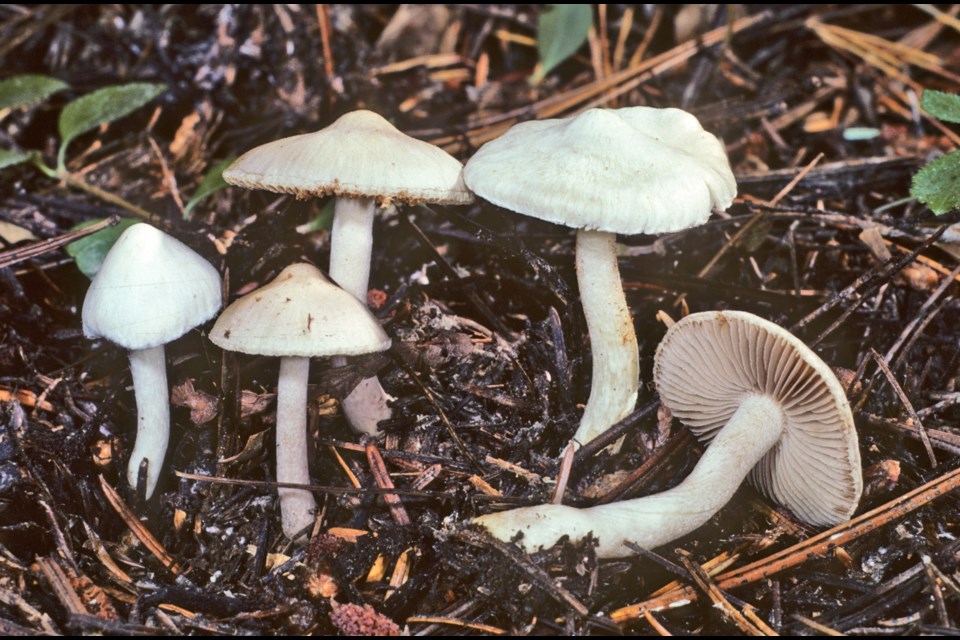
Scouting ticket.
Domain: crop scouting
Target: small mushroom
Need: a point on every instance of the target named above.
(150, 290)
(361, 159)
(768, 406)
(603, 172)
(298, 315)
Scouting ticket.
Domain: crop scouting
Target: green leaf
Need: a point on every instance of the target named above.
(937, 185)
(8, 158)
(211, 183)
(561, 30)
(105, 105)
(26, 90)
(323, 221)
(89, 252)
(942, 105)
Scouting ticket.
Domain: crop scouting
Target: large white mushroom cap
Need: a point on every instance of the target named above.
(709, 362)
(361, 155)
(150, 290)
(631, 170)
(300, 313)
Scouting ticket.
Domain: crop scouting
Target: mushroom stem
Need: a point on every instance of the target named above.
(613, 342)
(149, 370)
(351, 248)
(652, 521)
(296, 505)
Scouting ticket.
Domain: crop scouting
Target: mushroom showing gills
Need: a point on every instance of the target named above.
(150, 290)
(607, 171)
(769, 407)
(361, 159)
(298, 315)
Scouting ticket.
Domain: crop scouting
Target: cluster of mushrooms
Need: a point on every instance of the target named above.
(768, 405)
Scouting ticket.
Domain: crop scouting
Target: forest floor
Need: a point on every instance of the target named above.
(818, 107)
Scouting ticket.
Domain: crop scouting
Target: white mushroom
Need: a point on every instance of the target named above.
(607, 171)
(361, 159)
(150, 290)
(769, 407)
(298, 315)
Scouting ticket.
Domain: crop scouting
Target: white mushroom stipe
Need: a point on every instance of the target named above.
(772, 409)
(296, 505)
(151, 289)
(613, 342)
(655, 520)
(148, 368)
(361, 159)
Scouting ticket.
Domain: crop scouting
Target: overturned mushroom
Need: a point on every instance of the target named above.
(769, 407)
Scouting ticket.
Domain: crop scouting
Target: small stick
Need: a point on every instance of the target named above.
(383, 480)
(906, 403)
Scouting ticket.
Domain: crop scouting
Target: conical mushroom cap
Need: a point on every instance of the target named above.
(632, 170)
(360, 155)
(151, 289)
(300, 313)
(708, 362)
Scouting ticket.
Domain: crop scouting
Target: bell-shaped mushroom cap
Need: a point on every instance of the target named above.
(300, 313)
(360, 155)
(151, 289)
(708, 362)
(632, 170)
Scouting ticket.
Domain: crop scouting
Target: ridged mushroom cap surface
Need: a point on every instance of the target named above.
(708, 362)
(151, 289)
(631, 170)
(300, 313)
(360, 155)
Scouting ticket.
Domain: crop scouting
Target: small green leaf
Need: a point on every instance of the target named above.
(323, 221)
(942, 105)
(26, 90)
(89, 252)
(937, 185)
(8, 158)
(105, 105)
(854, 134)
(561, 30)
(211, 183)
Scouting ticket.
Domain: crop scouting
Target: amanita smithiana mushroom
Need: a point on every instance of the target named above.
(607, 171)
(767, 405)
(363, 160)
(297, 316)
(150, 290)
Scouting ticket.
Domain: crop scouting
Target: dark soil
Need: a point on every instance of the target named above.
(490, 342)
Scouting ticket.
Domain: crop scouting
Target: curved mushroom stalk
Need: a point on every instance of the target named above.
(149, 370)
(613, 341)
(652, 521)
(351, 247)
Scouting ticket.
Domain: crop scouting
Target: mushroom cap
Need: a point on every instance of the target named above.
(151, 289)
(708, 362)
(631, 170)
(300, 313)
(361, 155)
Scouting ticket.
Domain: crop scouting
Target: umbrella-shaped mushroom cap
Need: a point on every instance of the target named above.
(632, 170)
(361, 155)
(708, 362)
(150, 290)
(300, 313)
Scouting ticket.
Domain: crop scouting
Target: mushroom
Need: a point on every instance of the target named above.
(150, 290)
(607, 171)
(298, 315)
(361, 159)
(768, 406)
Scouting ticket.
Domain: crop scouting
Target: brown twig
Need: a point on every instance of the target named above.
(382, 478)
(918, 424)
(137, 528)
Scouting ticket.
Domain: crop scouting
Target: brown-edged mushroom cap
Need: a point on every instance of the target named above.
(361, 159)
(709, 362)
(361, 155)
(603, 172)
(298, 315)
